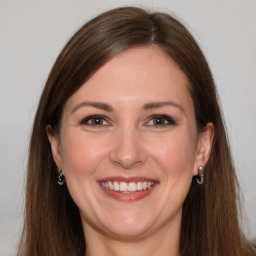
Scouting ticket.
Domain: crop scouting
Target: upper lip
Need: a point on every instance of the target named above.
(127, 179)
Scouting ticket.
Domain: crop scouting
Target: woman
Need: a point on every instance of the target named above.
(128, 153)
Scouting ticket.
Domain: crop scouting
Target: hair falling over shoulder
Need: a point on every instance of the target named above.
(52, 226)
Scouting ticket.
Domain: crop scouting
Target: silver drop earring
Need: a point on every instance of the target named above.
(200, 179)
(61, 177)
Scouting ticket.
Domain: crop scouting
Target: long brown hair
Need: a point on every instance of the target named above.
(53, 226)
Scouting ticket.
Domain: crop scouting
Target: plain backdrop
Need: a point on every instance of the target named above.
(32, 33)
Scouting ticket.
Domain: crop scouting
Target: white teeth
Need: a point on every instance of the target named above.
(132, 187)
(123, 186)
(127, 187)
(110, 186)
(116, 186)
(139, 186)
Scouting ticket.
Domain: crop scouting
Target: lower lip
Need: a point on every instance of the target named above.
(128, 196)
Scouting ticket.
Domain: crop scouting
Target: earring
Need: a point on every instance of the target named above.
(61, 177)
(200, 179)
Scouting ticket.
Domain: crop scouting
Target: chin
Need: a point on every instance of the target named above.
(129, 227)
(129, 232)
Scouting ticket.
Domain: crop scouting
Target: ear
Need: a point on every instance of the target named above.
(204, 146)
(54, 140)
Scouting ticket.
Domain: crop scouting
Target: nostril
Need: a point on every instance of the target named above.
(127, 161)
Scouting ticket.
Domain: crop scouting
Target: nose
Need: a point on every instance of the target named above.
(127, 150)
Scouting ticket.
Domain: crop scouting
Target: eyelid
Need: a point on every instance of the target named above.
(85, 120)
(170, 120)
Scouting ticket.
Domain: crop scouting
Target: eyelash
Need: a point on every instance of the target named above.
(169, 120)
(100, 119)
(88, 119)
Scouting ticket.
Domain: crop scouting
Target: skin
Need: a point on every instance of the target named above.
(127, 142)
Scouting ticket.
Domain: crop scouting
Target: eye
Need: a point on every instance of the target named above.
(95, 120)
(160, 120)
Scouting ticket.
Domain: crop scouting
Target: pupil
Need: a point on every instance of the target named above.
(97, 121)
(158, 121)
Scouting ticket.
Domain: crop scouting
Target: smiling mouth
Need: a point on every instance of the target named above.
(127, 187)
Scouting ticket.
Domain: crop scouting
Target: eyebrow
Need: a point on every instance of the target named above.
(155, 105)
(98, 105)
(148, 106)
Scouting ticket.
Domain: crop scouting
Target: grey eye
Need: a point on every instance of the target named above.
(94, 120)
(161, 120)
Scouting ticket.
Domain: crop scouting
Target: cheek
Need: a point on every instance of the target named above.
(81, 154)
(176, 157)
(175, 153)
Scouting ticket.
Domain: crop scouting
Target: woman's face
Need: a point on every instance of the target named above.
(129, 146)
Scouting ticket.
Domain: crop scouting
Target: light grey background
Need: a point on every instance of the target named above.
(32, 33)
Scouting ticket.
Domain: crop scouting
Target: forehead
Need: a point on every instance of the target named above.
(142, 74)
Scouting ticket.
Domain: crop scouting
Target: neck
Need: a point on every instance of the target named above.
(164, 243)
